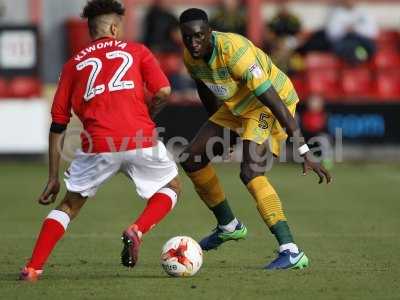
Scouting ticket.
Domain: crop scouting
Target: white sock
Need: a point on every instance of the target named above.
(60, 216)
(231, 226)
(292, 247)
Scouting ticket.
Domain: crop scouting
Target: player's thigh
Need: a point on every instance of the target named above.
(254, 160)
(231, 125)
(88, 172)
(210, 141)
(254, 153)
(261, 127)
(257, 125)
(151, 169)
(207, 133)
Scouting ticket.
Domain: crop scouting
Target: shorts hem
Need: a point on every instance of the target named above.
(149, 194)
(83, 192)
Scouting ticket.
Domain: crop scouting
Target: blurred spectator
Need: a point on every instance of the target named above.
(313, 119)
(230, 17)
(161, 34)
(285, 23)
(313, 122)
(161, 28)
(280, 39)
(350, 32)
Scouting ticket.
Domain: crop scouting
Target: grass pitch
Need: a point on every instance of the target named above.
(349, 230)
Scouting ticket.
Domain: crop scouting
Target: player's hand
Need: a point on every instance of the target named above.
(322, 173)
(50, 192)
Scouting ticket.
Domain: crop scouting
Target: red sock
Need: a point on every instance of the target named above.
(53, 229)
(158, 206)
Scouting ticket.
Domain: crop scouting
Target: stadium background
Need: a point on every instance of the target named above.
(354, 221)
(362, 100)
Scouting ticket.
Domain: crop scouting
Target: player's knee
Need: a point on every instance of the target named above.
(192, 162)
(175, 185)
(185, 161)
(247, 173)
(71, 204)
(68, 209)
(172, 190)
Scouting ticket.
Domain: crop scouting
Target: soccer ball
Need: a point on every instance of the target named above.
(181, 256)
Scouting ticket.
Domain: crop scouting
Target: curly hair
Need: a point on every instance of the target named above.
(96, 8)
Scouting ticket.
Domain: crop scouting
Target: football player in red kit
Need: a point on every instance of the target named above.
(104, 85)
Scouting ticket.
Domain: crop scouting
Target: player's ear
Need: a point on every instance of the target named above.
(208, 27)
(209, 31)
(114, 29)
(118, 30)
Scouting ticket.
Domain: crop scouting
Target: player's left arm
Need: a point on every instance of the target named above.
(272, 100)
(156, 82)
(253, 70)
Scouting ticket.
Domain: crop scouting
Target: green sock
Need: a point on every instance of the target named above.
(223, 213)
(282, 232)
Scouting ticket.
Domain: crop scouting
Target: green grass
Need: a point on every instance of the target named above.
(349, 230)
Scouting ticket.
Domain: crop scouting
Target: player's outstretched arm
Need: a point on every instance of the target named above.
(56, 142)
(207, 98)
(271, 99)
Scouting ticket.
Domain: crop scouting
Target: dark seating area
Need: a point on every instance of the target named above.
(375, 81)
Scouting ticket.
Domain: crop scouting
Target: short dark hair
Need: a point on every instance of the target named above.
(95, 8)
(193, 14)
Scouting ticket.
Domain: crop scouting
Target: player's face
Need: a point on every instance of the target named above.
(196, 36)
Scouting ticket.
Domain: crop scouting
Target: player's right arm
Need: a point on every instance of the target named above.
(156, 82)
(159, 101)
(208, 99)
(61, 113)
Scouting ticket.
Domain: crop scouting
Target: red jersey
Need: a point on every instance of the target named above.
(104, 84)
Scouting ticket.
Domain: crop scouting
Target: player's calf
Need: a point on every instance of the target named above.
(269, 207)
(158, 206)
(53, 229)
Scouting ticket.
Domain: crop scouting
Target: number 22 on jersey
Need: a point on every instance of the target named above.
(116, 83)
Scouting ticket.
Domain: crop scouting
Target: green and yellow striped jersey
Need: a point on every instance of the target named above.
(238, 72)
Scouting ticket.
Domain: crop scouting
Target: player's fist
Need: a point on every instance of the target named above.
(50, 192)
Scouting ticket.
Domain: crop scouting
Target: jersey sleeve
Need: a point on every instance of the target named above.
(154, 78)
(61, 108)
(249, 64)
